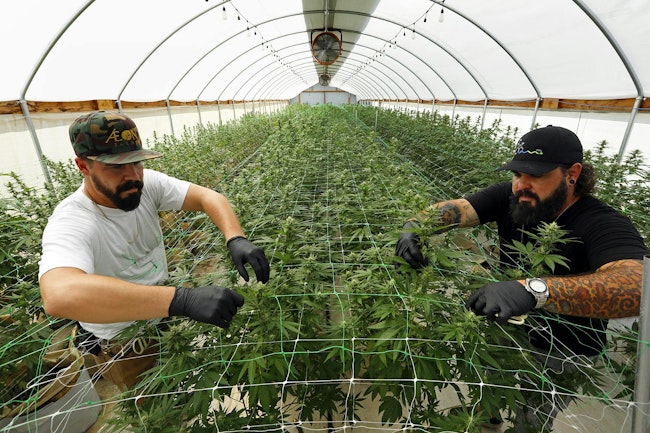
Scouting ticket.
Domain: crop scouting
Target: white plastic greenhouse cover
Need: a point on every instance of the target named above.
(190, 50)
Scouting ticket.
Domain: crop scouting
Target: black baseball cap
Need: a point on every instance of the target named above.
(541, 150)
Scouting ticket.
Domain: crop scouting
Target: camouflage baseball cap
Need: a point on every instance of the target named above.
(111, 138)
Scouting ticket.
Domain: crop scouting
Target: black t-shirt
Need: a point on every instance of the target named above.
(601, 234)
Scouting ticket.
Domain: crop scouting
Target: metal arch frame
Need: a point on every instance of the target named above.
(237, 57)
(240, 55)
(378, 82)
(382, 81)
(398, 62)
(402, 64)
(347, 57)
(308, 63)
(579, 3)
(512, 56)
(451, 55)
(294, 33)
(628, 66)
(613, 43)
(386, 66)
(344, 12)
(293, 45)
(367, 89)
(162, 42)
(410, 52)
(23, 102)
(364, 89)
(389, 68)
(228, 65)
(427, 65)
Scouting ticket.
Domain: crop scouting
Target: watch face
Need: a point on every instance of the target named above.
(537, 285)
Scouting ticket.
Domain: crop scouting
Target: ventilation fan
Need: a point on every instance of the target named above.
(324, 79)
(326, 47)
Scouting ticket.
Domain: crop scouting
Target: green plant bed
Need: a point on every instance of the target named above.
(338, 331)
(339, 336)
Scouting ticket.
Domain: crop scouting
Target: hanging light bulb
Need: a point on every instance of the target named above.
(224, 15)
(248, 32)
(413, 34)
(441, 18)
(425, 17)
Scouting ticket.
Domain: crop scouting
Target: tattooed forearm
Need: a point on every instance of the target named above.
(451, 214)
(614, 290)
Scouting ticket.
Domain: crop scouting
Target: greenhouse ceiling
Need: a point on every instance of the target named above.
(240, 50)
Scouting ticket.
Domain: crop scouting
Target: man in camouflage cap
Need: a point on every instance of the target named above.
(111, 138)
(104, 262)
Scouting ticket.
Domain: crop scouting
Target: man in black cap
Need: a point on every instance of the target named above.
(103, 261)
(550, 183)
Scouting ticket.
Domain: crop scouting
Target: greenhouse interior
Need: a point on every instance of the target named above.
(351, 146)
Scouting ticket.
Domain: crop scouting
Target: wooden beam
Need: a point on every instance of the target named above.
(611, 105)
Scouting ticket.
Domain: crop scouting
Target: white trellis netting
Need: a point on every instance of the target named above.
(228, 58)
(336, 320)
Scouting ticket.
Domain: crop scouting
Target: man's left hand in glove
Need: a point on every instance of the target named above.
(244, 251)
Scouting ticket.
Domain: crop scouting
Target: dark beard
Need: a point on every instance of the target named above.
(544, 210)
(128, 203)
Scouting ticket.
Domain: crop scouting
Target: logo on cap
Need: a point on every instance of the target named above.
(519, 150)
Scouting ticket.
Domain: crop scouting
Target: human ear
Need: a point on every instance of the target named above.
(82, 165)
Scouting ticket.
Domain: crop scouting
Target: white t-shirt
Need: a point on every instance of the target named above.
(106, 241)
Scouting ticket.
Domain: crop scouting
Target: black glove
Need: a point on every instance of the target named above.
(244, 251)
(500, 301)
(209, 304)
(408, 247)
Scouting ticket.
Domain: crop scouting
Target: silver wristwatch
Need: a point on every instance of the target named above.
(539, 289)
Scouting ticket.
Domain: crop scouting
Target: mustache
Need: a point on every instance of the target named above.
(128, 185)
(526, 193)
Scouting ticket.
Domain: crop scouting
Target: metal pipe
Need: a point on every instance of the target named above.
(642, 379)
(37, 145)
(532, 122)
(376, 117)
(198, 110)
(484, 114)
(169, 113)
(628, 128)
(626, 62)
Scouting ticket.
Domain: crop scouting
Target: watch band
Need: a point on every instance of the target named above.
(539, 289)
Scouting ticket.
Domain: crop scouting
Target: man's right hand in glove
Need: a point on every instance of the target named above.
(408, 246)
(209, 304)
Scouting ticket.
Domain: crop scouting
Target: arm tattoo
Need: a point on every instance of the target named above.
(613, 290)
(451, 214)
